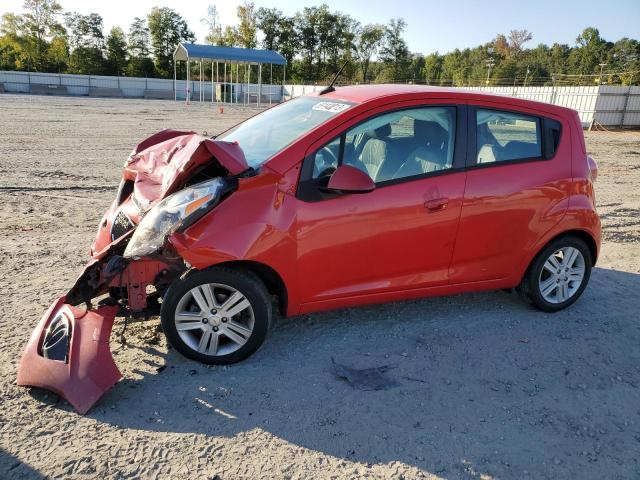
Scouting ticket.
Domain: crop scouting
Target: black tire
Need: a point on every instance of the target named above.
(530, 286)
(247, 283)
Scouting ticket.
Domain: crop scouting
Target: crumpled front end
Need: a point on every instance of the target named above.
(170, 180)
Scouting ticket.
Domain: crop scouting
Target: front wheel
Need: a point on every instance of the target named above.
(558, 275)
(216, 316)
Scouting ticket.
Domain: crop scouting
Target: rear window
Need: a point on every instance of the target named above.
(504, 136)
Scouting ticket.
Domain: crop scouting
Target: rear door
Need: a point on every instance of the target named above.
(518, 177)
(399, 236)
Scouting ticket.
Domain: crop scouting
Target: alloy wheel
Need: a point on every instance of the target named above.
(562, 275)
(214, 319)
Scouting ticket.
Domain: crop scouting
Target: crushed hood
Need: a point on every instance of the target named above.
(161, 163)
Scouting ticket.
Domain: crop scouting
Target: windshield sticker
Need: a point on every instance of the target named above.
(331, 107)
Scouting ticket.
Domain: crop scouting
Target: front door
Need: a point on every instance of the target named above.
(399, 236)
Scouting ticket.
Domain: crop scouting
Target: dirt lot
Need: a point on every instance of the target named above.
(486, 386)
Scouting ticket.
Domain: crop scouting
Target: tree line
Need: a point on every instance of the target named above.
(315, 41)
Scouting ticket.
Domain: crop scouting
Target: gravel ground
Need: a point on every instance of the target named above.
(486, 387)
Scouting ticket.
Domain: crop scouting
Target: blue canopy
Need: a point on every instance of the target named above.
(194, 51)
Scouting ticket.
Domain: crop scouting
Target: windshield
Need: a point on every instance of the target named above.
(266, 134)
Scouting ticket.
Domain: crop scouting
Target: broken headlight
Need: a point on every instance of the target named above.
(175, 212)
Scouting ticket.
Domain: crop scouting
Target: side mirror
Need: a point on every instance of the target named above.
(349, 179)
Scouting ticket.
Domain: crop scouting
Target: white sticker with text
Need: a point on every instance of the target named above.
(331, 107)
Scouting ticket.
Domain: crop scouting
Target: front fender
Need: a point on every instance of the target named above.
(256, 223)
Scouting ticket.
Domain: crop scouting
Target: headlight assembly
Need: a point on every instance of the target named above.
(175, 212)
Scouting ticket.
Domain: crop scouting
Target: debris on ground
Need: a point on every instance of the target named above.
(365, 379)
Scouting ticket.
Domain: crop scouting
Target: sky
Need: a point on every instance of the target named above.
(431, 25)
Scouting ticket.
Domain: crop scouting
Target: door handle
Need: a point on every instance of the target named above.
(436, 204)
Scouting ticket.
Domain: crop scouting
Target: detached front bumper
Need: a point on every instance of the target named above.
(82, 368)
(68, 352)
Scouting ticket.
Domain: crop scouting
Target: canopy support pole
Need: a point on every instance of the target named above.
(188, 92)
(224, 99)
(270, 81)
(217, 80)
(284, 81)
(175, 72)
(212, 81)
(259, 100)
(201, 92)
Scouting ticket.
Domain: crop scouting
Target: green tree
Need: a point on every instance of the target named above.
(85, 30)
(278, 34)
(87, 43)
(591, 51)
(247, 25)
(116, 43)
(229, 37)
(340, 45)
(138, 43)
(167, 29)
(16, 51)
(307, 31)
(26, 38)
(268, 21)
(41, 21)
(288, 42)
(368, 43)
(432, 68)
(416, 68)
(625, 57)
(58, 54)
(395, 52)
(453, 69)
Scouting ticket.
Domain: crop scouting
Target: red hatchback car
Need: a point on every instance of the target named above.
(354, 196)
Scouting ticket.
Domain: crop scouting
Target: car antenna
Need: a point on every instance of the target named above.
(331, 88)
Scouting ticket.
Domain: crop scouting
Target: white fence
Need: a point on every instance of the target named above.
(617, 106)
(132, 87)
(608, 105)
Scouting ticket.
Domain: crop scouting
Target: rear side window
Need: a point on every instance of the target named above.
(504, 136)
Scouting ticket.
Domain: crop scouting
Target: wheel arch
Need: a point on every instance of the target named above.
(271, 279)
(585, 236)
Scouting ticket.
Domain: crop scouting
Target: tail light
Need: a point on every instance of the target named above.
(593, 167)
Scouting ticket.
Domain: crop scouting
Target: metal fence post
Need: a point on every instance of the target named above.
(624, 109)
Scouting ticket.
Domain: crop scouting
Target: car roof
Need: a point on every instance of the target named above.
(370, 93)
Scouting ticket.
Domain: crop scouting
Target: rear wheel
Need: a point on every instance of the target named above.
(558, 275)
(216, 316)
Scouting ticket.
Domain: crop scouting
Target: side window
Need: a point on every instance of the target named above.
(503, 136)
(403, 143)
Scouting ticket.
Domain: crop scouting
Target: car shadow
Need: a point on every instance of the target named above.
(484, 384)
(12, 467)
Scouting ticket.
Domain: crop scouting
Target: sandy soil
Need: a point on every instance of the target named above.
(486, 386)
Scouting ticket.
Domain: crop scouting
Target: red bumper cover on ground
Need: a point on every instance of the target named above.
(89, 370)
